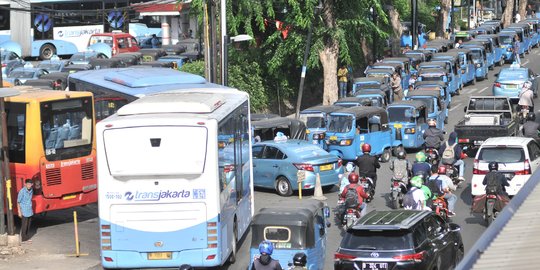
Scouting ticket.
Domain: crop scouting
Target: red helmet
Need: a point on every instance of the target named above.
(353, 178)
(442, 170)
(366, 148)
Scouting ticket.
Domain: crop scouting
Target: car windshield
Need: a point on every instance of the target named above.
(314, 120)
(501, 154)
(49, 66)
(512, 75)
(377, 240)
(400, 114)
(21, 74)
(340, 123)
(506, 39)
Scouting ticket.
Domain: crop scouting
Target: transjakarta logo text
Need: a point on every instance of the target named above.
(156, 195)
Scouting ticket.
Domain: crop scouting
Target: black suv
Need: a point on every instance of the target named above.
(400, 239)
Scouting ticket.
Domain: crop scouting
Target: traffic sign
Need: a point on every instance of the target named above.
(42, 22)
(116, 19)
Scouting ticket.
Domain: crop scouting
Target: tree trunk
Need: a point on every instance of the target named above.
(366, 51)
(507, 17)
(329, 56)
(446, 6)
(397, 30)
(329, 60)
(522, 9)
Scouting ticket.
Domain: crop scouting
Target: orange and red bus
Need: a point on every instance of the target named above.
(51, 140)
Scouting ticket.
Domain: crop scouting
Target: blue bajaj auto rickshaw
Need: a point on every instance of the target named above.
(409, 120)
(395, 67)
(453, 73)
(523, 32)
(382, 84)
(349, 128)
(534, 24)
(300, 227)
(519, 32)
(498, 50)
(438, 88)
(468, 70)
(432, 75)
(506, 42)
(424, 55)
(405, 66)
(378, 98)
(480, 61)
(348, 102)
(265, 130)
(315, 119)
(435, 106)
(488, 50)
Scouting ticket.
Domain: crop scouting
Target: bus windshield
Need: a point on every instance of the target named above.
(66, 126)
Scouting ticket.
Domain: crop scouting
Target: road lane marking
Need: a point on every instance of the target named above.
(525, 62)
(483, 89)
(456, 106)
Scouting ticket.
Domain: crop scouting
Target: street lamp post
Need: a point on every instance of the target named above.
(414, 23)
(225, 55)
(374, 20)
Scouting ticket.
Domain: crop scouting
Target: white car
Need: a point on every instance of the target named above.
(518, 158)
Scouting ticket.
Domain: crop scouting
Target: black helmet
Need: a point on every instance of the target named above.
(493, 166)
(300, 259)
(401, 155)
(531, 116)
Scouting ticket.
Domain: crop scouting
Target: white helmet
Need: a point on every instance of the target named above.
(349, 167)
(527, 85)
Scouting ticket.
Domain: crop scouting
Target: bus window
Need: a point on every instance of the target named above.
(67, 128)
(16, 127)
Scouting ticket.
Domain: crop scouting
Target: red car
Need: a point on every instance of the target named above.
(119, 41)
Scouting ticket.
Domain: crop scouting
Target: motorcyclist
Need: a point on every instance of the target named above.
(500, 178)
(299, 261)
(456, 159)
(447, 186)
(349, 168)
(361, 194)
(421, 167)
(368, 164)
(433, 137)
(418, 195)
(265, 261)
(401, 167)
(531, 127)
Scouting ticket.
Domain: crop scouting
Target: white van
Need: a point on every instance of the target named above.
(518, 158)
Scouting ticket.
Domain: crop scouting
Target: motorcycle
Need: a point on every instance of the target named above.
(440, 207)
(490, 212)
(453, 172)
(347, 217)
(432, 156)
(369, 187)
(523, 114)
(397, 190)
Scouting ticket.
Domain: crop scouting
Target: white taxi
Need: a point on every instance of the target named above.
(518, 158)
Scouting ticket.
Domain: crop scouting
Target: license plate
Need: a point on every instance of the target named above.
(69, 197)
(509, 175)
(398, 125)
(325, 167)
(374, 266)
(478, 142)
(333, 138)
(510, 86)
(160, 256)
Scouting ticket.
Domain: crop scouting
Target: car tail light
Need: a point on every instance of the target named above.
(417, 257)
(463, 140)
(527, 168)
(302, 166)
(497, 84)
(340, 162)
(476, 168)
(340, 256)
(396, 184)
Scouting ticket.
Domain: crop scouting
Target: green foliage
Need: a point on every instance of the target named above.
(247, 77)
(196, 67)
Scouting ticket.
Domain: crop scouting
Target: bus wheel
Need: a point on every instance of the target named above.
(47, 51)
(232, 258)
(283, 187)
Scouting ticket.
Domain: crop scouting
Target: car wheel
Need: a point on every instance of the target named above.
(232, 258)
(47, 51)
(328, 188)
(386, 155)
(283, 187)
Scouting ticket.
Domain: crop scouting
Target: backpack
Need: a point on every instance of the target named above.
(449, 155)
(408, 200)
(492, 184)
(400, 169)
(435, 185)
(351, 197)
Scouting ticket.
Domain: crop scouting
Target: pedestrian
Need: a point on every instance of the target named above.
(397, 91)
(412, 79)
(526, 97)
(516, 50)
(530, 11)
(517, 18)
(458, 44)
(24, 208)
(154, 41)
(342, 79)
(406, 49)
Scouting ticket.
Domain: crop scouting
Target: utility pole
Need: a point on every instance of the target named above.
(304, 70)
(224, 43)
(414, 23)
(468, 15)
(452, 18)
(5, 169)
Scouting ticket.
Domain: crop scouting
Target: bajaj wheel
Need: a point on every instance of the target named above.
(283, 187)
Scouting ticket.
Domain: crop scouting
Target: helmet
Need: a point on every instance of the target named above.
(353, 178)
(366, 148)
(527, 85)
(349, 167)
(401, 155)
(442, 169)
(417, 181)
(432, 123)
(531, 116)
(266, 247)
(420, 157)
(493, 166)
(300, 259)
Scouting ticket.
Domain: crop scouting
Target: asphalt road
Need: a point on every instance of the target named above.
(54, 237)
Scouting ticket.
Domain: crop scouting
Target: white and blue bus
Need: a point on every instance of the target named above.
(171, 190)
(43, 28)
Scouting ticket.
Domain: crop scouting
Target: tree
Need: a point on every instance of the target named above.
(522, 9)
(446, 7)
(508, 13)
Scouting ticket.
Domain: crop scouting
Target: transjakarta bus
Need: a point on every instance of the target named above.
(170, 193)
(51, 141)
